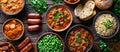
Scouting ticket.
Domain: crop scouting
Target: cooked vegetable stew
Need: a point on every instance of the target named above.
(79, 39)
(13, 29)
(11, 6)
(59, 17)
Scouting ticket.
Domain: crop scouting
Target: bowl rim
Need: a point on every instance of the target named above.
(11, 45)
(117, 21)
(70, 2)
(15, 12)
(22, 33)
(44, 34)
(67, 25)
(85, 27)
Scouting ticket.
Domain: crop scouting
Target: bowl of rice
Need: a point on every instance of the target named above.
(106, 24)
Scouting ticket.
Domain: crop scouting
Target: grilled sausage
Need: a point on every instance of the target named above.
(33, 27)
(34, 21)
(33, 16)
(27, 48)
(23, 43)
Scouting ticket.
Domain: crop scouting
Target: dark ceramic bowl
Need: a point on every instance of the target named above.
(71, 2)
(9, 45)
(5, 24)
(85, 27)
(44, 34)
(67, 25)
(15, 12)
(117, 22)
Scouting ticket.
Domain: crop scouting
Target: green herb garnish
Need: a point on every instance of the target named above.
(108, 24)
(39, 5)
(116, 8)
(86, 38)
(102, 44)
(56, 15)
(57, 1)
(78, 34)
(78, 40)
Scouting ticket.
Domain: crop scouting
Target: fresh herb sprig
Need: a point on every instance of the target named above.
(78, 39)
(105, 47)
(57, 1)
(57, 14)
(116, 8)
(108, 24)
(40, 5)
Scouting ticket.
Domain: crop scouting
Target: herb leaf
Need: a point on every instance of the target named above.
(78, 34)
(108, 24)
(86, 38)
(39, 5)
(56, 15)
(57, 1)
(78, 40)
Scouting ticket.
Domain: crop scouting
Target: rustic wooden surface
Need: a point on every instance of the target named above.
(45, 28)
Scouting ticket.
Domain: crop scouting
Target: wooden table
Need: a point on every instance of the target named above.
(45, 28)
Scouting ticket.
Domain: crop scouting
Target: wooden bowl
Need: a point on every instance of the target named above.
(86, 28)
(62, 6)
(71, 2)
(36, 45)
(15, 12)
(7, 22)
(9, 44)
(117, 26)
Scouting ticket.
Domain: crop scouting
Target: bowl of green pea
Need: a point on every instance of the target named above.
(49, 42)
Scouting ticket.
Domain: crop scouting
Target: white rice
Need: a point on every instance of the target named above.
(101, 29)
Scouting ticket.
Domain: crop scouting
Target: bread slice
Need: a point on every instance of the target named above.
(93, 14)
(78, 9)
(87, 10)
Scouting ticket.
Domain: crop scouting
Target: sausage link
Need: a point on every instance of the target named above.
(33, 27)
(27, 48)
(33, 16)
(23, 43)
(34, 21)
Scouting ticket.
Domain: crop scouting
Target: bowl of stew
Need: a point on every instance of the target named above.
(71, 1)
(49, 42)
(59, 18)
(13, 29)
(7, 47)
(12, 7)
(79, 38)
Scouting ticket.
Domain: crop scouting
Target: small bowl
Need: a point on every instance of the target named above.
(71, 2)
(9, 44)
(117, 22)
(85, 27)
(14, 12)
(7, 22)
(67, 25)
(36, 45)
